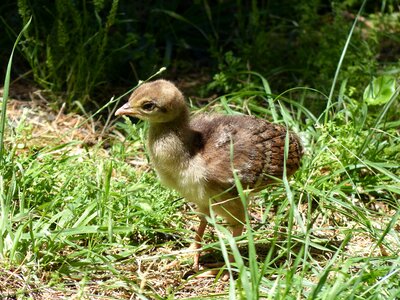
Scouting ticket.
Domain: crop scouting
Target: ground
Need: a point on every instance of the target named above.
(162, 270)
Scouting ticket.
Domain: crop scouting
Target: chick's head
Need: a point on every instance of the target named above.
(156, 102)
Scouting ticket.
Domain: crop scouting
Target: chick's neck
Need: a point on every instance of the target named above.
(170, 143)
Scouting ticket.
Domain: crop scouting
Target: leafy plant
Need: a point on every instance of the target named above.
(380, 90)
(67, 47)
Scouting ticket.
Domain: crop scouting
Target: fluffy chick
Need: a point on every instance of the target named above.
(197, 156)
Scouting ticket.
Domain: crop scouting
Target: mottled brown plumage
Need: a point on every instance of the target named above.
(197, 156)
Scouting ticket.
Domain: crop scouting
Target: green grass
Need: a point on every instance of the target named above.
(92, 221)
(329, 241)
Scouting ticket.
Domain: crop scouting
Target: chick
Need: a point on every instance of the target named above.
(197, 156)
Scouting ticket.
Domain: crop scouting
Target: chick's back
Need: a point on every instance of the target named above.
(252, 146)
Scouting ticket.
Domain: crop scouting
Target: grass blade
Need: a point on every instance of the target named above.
(339, 66)
(6, 90)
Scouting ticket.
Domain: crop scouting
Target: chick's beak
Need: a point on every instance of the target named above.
(126, 109)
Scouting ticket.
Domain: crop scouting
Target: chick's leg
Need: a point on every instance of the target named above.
(197, 242)
(236, 231)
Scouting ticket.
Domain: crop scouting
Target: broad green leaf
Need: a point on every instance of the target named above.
(380, 90)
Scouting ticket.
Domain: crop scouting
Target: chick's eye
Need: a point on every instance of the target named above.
(149, 106)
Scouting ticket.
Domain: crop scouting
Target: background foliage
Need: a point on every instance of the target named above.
(86, 50)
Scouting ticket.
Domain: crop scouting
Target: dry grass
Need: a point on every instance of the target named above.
(45, 126)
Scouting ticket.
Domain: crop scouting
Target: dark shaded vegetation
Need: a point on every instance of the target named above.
(87, 51)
